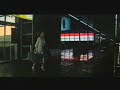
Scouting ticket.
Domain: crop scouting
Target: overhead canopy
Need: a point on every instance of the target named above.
(28, 17)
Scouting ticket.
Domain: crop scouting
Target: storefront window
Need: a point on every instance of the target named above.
(5, 37)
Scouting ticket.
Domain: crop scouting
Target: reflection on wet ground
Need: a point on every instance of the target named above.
(71, 64)
(79, 65)
(68, 55)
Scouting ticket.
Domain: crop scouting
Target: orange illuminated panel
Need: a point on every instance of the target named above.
(8, 30)
(1, 31)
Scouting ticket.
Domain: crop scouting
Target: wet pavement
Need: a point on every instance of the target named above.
(92, 63)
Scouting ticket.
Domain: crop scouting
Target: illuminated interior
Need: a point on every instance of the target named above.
(77, 37)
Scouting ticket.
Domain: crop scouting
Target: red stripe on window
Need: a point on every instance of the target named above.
(77, 34)
(83, 34)
(91, 34)
(62, 34)
(66, 34)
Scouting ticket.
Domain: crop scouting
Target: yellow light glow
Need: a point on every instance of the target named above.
(28, 17)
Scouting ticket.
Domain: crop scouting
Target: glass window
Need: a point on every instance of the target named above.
(71, 39)
(10, 18)
(76, 39)
(66, 39)
(62, 39)
(91, 37)
(2, 18)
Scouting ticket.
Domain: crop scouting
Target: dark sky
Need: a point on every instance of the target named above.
(103, 23)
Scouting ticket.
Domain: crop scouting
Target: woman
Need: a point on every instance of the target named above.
(40, 43)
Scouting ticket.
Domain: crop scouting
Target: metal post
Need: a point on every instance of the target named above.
(87, 45)
(4, 37)
(15, 47)
(116, 22)
(32, 34)
(21, 39)
(115, 54)
(10, 50)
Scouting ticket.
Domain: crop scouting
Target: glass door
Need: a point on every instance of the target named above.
(6, 47)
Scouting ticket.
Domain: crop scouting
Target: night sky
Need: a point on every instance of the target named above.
(104, 23)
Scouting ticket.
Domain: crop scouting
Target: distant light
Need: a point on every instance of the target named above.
(73, 16)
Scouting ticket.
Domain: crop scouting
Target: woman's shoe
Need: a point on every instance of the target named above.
(33, 69)
(43, 68)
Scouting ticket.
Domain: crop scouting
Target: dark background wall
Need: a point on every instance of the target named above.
(50, 24)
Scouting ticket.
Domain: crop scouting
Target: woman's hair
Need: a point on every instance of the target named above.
(38, 33)
(41, 32)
